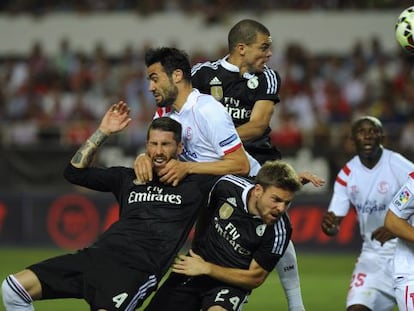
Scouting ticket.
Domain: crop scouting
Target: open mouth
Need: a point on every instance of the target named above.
(159, 161)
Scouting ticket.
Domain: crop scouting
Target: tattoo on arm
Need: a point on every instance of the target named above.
(85, 154)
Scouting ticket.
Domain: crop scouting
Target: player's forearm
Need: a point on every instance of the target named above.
(240, 277)
(223, 167)
(85, 154)
(250, 131)
(399, 227)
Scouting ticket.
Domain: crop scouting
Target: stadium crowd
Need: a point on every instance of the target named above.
(59, 98)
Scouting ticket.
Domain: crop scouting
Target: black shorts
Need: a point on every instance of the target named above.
(97, 276)
(180, 292)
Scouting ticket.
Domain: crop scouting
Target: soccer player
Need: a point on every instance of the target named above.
(125, 264)
(211, 143)
(247, 233)
(400, 221)
(368, 182)
(249, 90)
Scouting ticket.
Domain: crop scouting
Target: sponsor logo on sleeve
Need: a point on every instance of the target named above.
(402, 198)
(228, 140)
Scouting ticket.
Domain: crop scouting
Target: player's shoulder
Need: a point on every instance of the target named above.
(205, 67)
(234, 181)
(270, 74)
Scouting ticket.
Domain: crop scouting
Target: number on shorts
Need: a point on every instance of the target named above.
(119, 299)
(233, 300)
(358, 279)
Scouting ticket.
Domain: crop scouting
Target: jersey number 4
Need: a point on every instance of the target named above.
(119, 299)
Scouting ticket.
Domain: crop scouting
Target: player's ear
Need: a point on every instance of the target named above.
(180, 148)
(241, 47)
(177, 75)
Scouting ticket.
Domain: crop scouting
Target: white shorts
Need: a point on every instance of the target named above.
(372, 283)
(404, 293)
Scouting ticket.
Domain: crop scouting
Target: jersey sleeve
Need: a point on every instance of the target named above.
(274, 245)
(99, 179)
(401, 167)
(269, 86)
(198, 78)
(217, 126)
(340, 203)
(402, 204)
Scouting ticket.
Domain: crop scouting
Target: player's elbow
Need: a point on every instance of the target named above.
(244, 168)
(255, 282)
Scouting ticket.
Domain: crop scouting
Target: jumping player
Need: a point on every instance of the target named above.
(249, 90)
(400, 221)
(368, 182)
(247, 233)
(125, 264)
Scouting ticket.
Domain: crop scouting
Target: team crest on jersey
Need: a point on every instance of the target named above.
(383, 187)
(260, 229)
(402, 197)
(188, 133)
(253, 83)
(225, 211)
(216, 89)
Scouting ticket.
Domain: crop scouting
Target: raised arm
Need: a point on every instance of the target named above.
(114, 120)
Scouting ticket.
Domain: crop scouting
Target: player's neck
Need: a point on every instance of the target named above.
(252, 203)
(238, 62)
(182, 96)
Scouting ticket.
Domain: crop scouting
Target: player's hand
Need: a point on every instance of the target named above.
(143, 168)
(190, 265)
(382, 235)
(306, 177)
(115, 119)
(173, 172)
(330, 224)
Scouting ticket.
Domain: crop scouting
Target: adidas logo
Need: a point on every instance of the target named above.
(232, 201)
(215, 81)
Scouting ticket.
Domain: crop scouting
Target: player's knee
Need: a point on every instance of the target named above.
(15, 297)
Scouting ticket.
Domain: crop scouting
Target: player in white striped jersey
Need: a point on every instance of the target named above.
(400, 221)
(247, 233)
(211, 143)
(368, 182)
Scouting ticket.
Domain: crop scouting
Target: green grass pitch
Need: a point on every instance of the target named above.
(324, 279)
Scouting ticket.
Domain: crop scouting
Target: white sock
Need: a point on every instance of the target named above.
(287, 269)
(15, 296)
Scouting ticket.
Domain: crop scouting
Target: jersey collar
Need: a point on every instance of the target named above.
(233, 68)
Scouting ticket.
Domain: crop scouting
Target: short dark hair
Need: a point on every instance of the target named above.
(245, 31)
(278, 174)
(166, 124)
(170, 59)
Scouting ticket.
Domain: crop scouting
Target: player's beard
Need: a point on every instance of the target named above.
(171, 94)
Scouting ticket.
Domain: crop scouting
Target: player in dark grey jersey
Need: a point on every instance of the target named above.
(125, 264)
(247, 233)
(245, 85)
(249, 90)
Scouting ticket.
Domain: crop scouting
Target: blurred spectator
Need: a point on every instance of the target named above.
(288, 135)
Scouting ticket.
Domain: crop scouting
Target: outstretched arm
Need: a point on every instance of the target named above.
(114, 120)
(194, 264)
